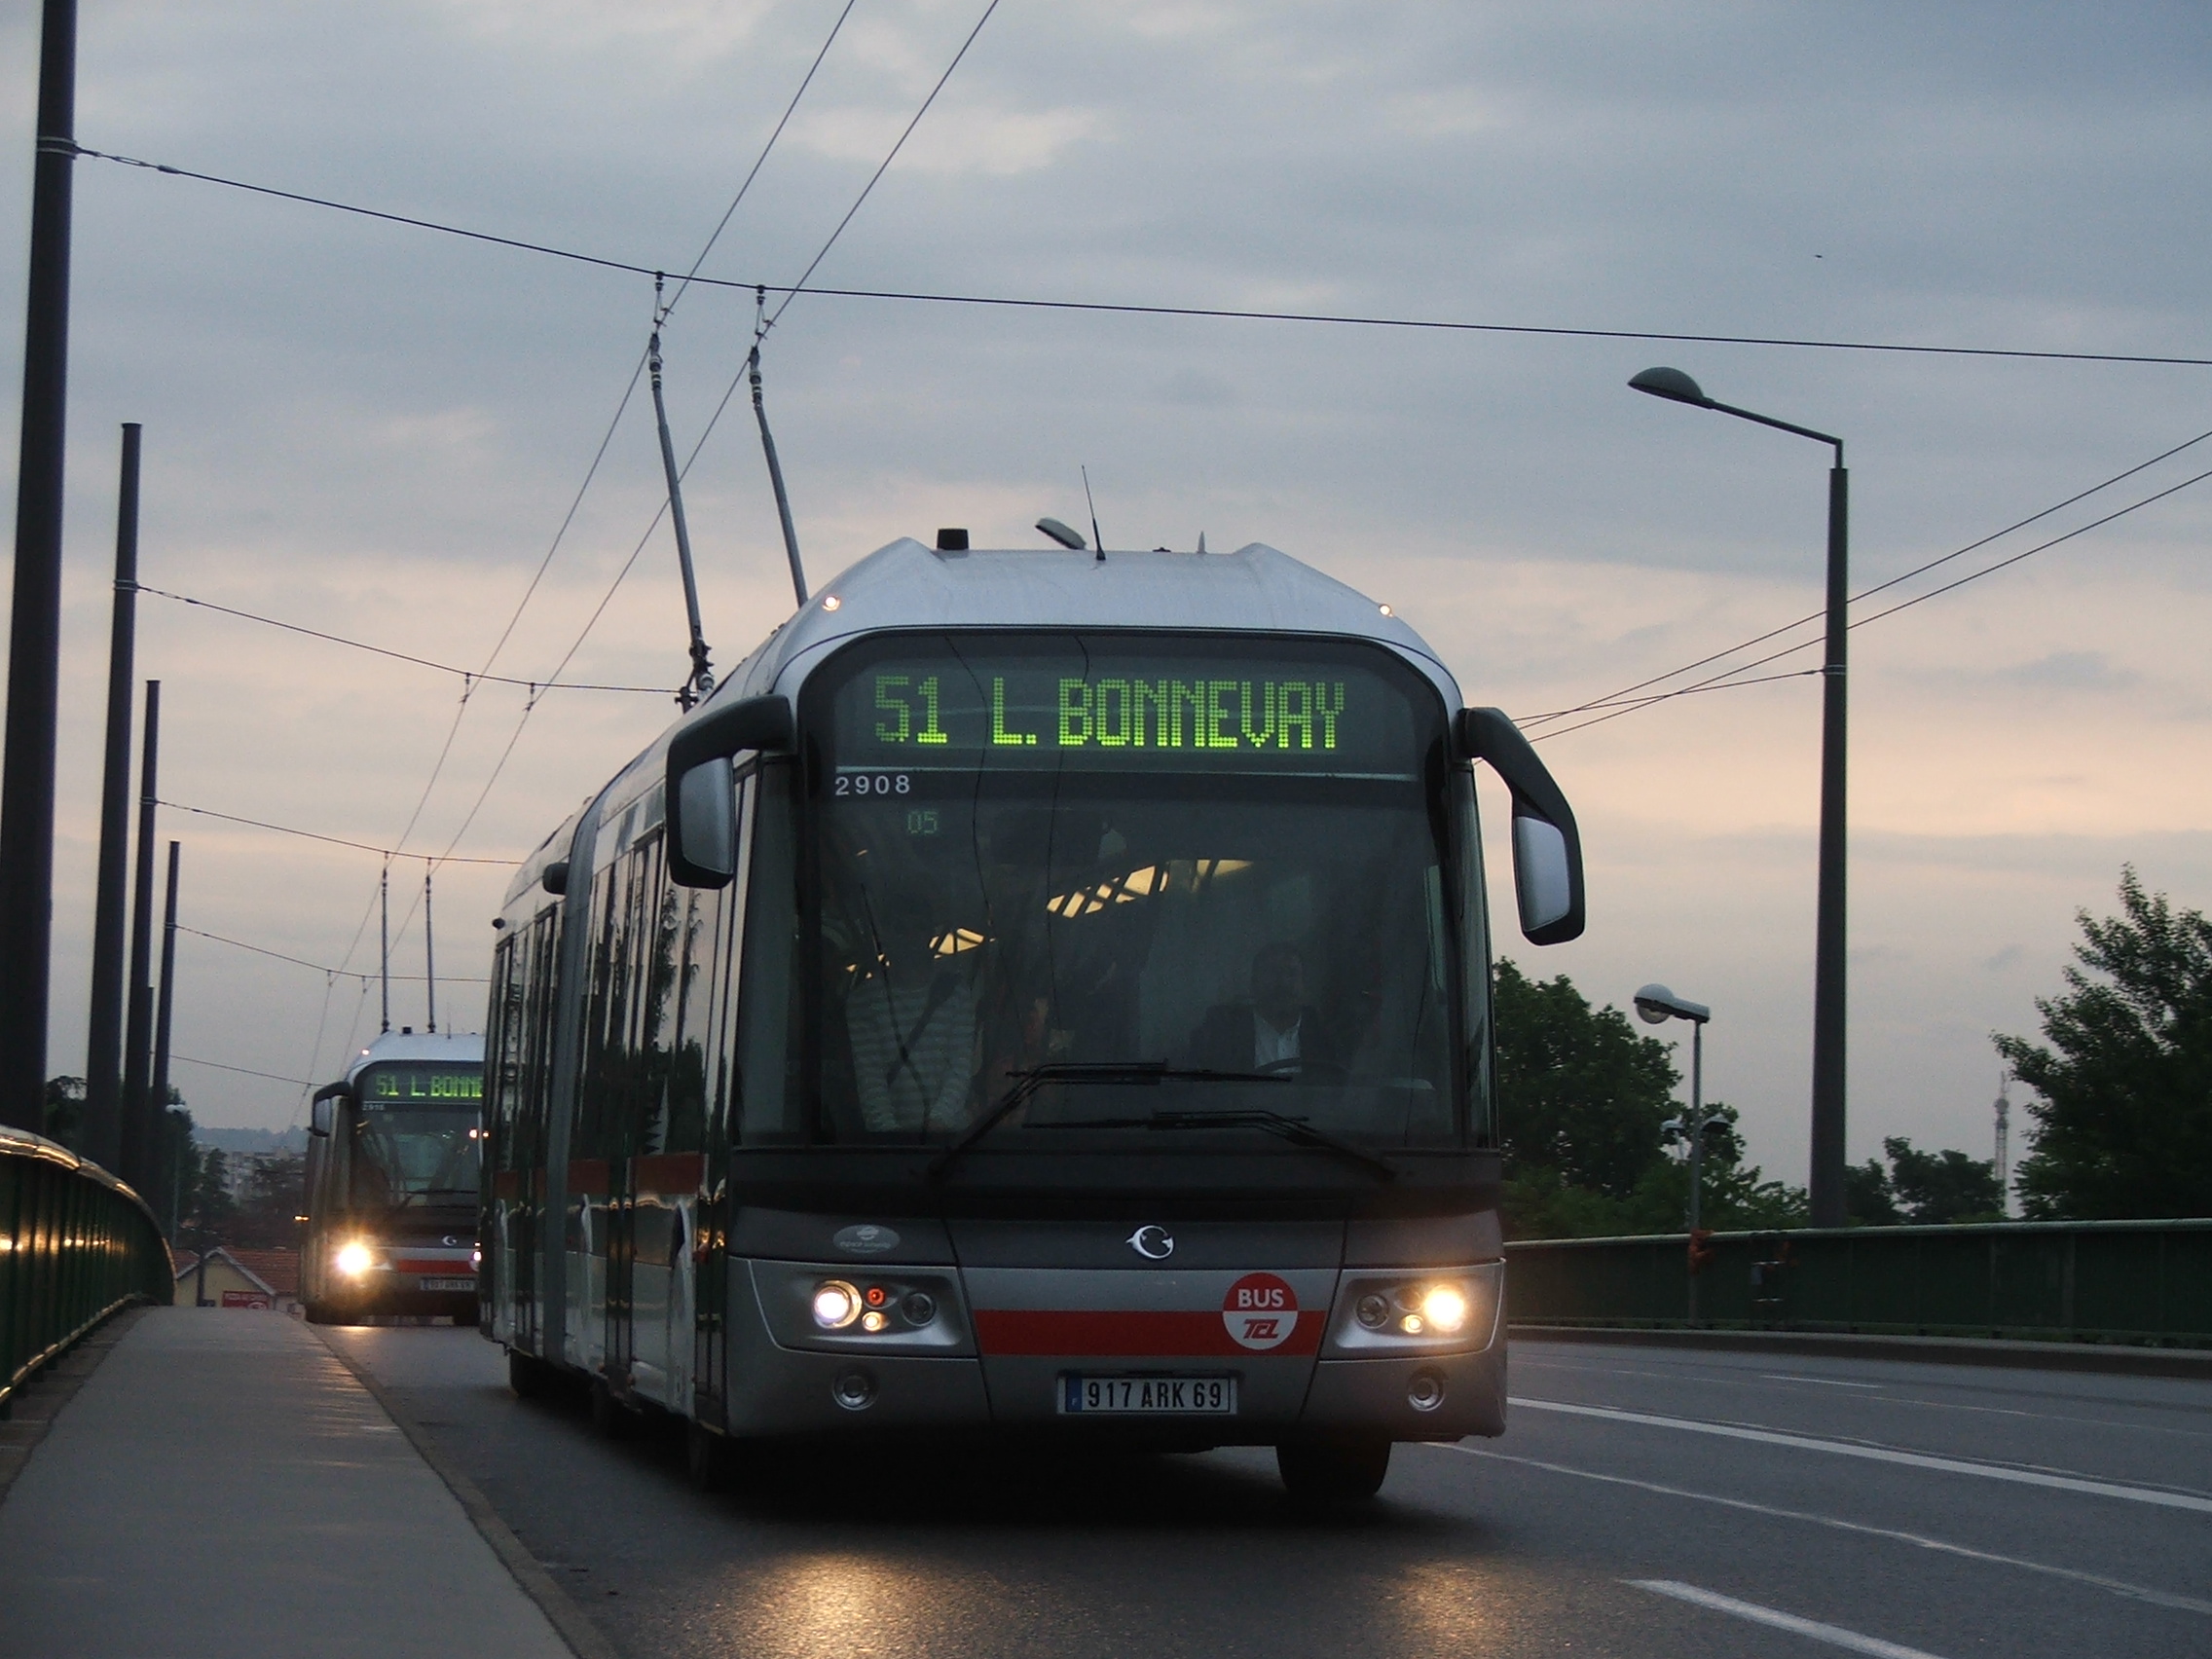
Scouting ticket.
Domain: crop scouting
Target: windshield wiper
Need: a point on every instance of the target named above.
(1140, 1073)
(1297, 1130)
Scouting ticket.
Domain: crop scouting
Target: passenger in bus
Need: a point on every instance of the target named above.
(910, 1020)
(1277, 1031)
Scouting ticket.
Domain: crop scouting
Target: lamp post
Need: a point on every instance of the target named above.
(1655, 1004)
(1826, 1183)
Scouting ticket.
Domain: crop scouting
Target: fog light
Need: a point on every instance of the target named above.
(837, 1304)
(855, 1391)
(354, 1259)
(1373, 1310)
(1412, 1324)
(1424, 1391)
(871, 1321)
(1445, 1308)
(919, 1307)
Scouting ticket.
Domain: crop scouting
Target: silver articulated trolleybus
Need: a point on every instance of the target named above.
(1037, 992)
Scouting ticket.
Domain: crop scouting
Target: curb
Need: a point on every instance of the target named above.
(1941, 1350)
(568, 1620)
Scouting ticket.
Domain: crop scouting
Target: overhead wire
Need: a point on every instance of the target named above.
(1879, 587)
(607, 438)
(1726, 679)
(791, 292)
(333, 841)
(1215, 312)
(320, 967)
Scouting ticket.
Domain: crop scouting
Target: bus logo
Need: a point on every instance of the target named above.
(1155, 1243)
(1260, 1311)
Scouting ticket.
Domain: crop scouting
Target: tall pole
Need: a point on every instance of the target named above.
(34, 626)
(158, 1090)
(430, 953)
(103, 1035)
(1697, 1149)
(1828, 964)
(384, 940)
(136, 1156)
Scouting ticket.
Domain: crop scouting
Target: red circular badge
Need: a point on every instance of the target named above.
(1260, 1310)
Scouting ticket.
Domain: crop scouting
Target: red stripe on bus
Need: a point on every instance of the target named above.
(450, 1266)
(1036, 1333)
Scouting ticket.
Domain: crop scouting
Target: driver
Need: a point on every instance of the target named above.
(1278, 1030)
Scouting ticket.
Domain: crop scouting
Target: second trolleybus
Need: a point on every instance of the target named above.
(1036, 993)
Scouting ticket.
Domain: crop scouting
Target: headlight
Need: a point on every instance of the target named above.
(837, 1304)
(1445, 1308)
(353, 1260)
(1386, 1313)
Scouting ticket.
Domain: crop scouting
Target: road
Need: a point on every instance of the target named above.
(1644, 1503)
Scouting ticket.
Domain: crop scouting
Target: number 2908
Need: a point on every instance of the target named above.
(873, 784)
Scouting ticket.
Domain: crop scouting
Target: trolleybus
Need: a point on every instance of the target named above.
(393, 1151)
(1036, 993)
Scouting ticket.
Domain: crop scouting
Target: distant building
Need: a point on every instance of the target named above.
(264, 1281)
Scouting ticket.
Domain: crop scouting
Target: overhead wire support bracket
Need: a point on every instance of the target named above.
(768, 445)
(702, 679)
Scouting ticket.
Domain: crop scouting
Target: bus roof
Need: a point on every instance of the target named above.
(438, 1047)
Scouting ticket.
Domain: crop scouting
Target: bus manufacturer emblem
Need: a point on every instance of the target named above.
(1261, 1311)
(1155, 1243)
(867, 1239)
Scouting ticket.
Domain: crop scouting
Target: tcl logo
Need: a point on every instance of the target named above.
(1260, 1311)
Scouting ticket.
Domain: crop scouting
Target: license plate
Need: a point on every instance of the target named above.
(1148, 1396)
(449, 1284)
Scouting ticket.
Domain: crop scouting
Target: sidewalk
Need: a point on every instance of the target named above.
(222, 1485)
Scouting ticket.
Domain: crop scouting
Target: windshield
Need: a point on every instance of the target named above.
(1244, 871)
(416, 1138)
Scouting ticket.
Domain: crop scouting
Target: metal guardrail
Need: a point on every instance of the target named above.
(75, 1246)
(2104, 1281)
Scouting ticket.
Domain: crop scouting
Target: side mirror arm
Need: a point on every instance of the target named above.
(1547, 847)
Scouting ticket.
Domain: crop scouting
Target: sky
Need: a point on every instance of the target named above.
(378, 431)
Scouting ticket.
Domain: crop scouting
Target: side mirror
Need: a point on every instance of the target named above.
(322, 1112)
(1547, 848)
(702, 795)
(554, 878)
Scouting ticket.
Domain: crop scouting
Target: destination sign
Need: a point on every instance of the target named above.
(422, 1087)
(1127, 710)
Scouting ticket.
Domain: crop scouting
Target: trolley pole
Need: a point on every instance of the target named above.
(136, 1157)
(103, 1036)
(429, 954)
(384, 940)
(159, 1115)
(34, 624)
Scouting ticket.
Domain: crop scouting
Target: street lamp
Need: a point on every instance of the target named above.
(1655, 1004)
(1828, 935)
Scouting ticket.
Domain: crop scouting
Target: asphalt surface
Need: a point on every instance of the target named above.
(1687, 1505)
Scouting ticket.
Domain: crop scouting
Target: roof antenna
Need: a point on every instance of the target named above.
(1096, 540)
(702, 679)
(1201, 542)
(768, 443)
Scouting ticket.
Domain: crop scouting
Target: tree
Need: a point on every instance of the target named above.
(1583, 1102)
(1922, 1187)
(1945, 1186)
(275, 1193)
(2122, 1125)
(1578, 1092)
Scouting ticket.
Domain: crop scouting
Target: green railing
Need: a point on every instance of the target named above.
(75, 1246)
(2116, 1281)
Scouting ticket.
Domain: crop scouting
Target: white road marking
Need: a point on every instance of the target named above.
(1823, 1382)
(1835, 1636)
(2096, 1580)
(1886, 1455)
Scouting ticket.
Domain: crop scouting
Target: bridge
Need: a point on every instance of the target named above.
(184, 1480)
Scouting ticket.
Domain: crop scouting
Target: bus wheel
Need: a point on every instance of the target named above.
(610, 1415)
(1334, 1470)
(710, 1458)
